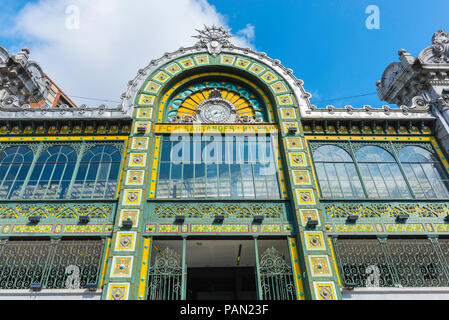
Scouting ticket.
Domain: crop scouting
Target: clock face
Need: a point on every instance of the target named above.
(216, 112)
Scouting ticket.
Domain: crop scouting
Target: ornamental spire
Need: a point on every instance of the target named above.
(214, 38)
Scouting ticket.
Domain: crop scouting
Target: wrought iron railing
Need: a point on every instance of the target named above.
(166, 276)
(393, 262)
(276, 277)
(54, 264)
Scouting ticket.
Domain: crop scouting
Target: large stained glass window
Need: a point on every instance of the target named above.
(381, 171)
(216, 166)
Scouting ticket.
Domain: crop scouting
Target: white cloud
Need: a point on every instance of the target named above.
(248, 33)
(115, 38)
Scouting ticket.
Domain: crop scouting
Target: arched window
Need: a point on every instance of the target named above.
(15, 163)
(424, 173)
(97, 174)
(337, 174)
(381, 174)
(52, 174)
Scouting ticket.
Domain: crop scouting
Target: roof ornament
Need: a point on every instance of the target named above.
(440, 46)
(214, 38)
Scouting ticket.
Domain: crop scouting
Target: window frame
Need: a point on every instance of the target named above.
(218, 180)
(393, 148)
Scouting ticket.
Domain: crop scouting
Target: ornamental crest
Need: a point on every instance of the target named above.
(214, 38)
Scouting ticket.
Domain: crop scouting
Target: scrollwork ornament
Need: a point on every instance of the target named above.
(419, 104)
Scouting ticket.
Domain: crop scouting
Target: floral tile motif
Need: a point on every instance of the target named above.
(294, 143)
(242, 63)
(269, 77)
(320, 266)
(305, 196)
(118, 291)
(122, 266)
(152, 87)
(297, 159)
(144, 113)
(308, 214)
(137, 159)
(130, 214)
(146, 100)
(324, 290)
(204, 59)
(301, 177)
(132, 197)
(187, 63)
(161, 77)
(139, 143)
(314, 240)
(278, 87)
(257, 69)
(135, 177)
(173, 69)
(125, 241)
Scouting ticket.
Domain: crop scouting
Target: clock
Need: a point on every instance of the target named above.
(216, 112)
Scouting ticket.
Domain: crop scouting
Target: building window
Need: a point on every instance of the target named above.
(424, 173)
(15, 163)
(97, 174)
(382, 171)
(381, 174)
(52, 174)
(225, 167)
(69, 171)
(337, 173)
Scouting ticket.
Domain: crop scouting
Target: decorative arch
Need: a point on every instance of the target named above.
(162, 83)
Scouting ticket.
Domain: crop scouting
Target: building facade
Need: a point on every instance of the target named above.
(216, 178)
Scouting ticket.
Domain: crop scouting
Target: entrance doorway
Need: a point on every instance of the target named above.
(199, 268)
(221, 270)
(232, 283)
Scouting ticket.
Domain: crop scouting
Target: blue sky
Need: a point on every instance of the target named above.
(325, 42)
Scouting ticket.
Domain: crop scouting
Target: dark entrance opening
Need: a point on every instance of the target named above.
(230, 283)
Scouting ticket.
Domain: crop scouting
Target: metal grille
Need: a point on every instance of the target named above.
(393, 262)
(276, 277)
(166, 276)
(56, 264)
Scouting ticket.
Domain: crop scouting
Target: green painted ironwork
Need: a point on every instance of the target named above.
(386, 170)
(55, 264)
(57, 210)
(276, 277)
(367, 209)
(166, 276)
(393, 262)
(273, 210)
